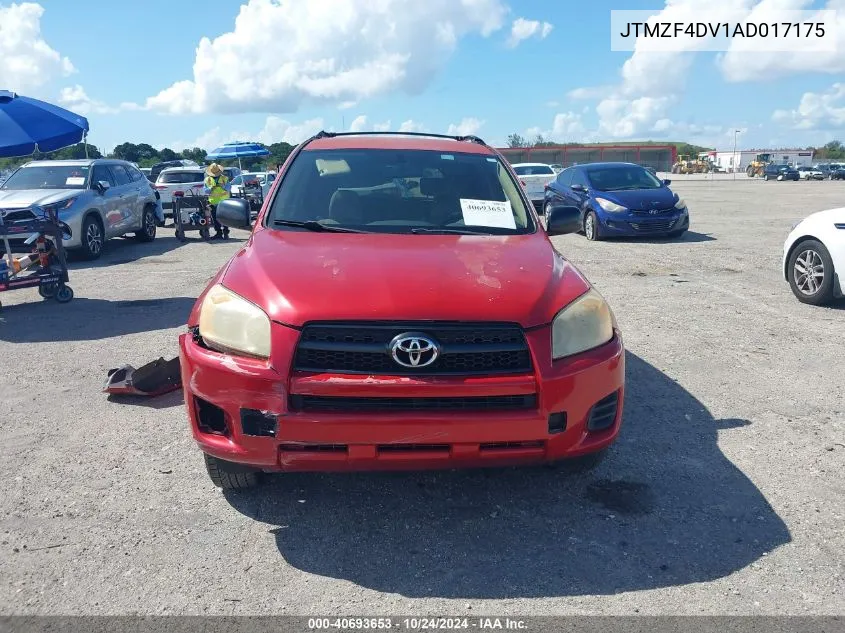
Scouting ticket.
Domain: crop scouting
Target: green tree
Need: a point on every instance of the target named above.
(168, 154)
(196, 154)
(515, 140)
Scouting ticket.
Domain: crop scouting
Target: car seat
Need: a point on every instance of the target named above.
(345, 207)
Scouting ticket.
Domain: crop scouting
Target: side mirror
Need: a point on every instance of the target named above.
(667, 182)
(563, 220)
(103, 186)
(578, 188)
(234, 213)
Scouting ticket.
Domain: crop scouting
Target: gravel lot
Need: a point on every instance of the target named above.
(723, 495)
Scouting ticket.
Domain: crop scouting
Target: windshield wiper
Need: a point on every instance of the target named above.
(461, 231)
(314, 225)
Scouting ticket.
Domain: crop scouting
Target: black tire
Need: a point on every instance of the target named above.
(230, 476)
(64, 294)
(93, 238)
(546, 208)
(180, 235)
(148, 226)
(765, 176)
(48, 291)
(823, 291)
(582, 464)
(590, 220)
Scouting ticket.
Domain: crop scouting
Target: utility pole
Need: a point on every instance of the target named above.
(733, 160)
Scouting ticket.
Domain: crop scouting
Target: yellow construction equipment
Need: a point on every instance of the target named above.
(688, 165)
(756, 167)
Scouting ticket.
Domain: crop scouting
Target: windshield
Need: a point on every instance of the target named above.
(619, 178)
(401, 191)
(533, 170)
(180, 177)
(48, 177)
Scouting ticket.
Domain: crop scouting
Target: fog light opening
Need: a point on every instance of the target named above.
(211, 418)
(557, 423)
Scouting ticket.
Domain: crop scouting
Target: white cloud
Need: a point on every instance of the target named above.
(412, 126)
(75, 98)
(522, 29)
(275, 130)
(330, 51)
(360, 124)
(744, 62)
(466, 127)
(817, 111)
(567, 127)
(346, 105)
(26, 60)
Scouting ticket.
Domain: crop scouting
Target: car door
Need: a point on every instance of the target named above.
(108, 200)
(557, 193)
(580, 198)
(127, 200)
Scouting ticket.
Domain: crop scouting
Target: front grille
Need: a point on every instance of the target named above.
(465, 349)
(474, 403)
(653, 227)
(24, 215)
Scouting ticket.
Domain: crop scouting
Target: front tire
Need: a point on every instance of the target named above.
(93, 238)
(811, 273)
(547, 208)
(148, 226)
(765, 176)
(230, 476)
(591, 227)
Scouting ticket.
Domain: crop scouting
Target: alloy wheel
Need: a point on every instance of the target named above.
(94, 238)
(150, 224)
(589, 227)
(808, 272)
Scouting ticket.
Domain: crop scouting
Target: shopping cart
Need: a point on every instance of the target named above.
(45, 267)
(191, 212)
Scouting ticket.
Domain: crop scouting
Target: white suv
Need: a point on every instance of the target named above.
(183, 179)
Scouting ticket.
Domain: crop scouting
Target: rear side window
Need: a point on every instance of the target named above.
(180, 177)
(395, 191)
(534, 170)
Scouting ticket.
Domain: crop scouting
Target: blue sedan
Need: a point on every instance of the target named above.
(619, 200)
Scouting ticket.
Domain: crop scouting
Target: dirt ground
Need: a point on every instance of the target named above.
(724, 494)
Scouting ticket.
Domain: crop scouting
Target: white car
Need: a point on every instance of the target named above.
(810, 173)
(264, 178)
(534, 177)
(814, 257)
(173, 179)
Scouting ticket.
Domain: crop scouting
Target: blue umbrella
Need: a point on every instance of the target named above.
(237, 150)
(27, 125)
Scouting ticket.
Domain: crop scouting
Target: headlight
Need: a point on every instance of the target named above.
(230, 323)
(60, 206)
(681, 204)
(607, 205)
(582, 325)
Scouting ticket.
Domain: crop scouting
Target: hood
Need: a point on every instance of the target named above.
(19, 198)
(641, 199)
(298, 277)
(829, 216)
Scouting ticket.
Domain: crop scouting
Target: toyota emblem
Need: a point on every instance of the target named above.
(414, 350)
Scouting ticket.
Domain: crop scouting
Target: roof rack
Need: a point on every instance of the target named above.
(466, 138)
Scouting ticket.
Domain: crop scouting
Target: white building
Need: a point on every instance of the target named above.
(741, 158)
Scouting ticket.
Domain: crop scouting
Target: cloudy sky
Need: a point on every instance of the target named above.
(182, 74)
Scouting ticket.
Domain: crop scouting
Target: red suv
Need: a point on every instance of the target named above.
(399, 306)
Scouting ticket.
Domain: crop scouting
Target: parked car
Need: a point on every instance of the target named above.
(810, 173)
(836, 172)
(619, 199)
(339, 295)
(147, 171)
(156, 169)
(773, 171)
(263, 178)
(814, 257)
(178, 179)
(534, 177)
(97, 199)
